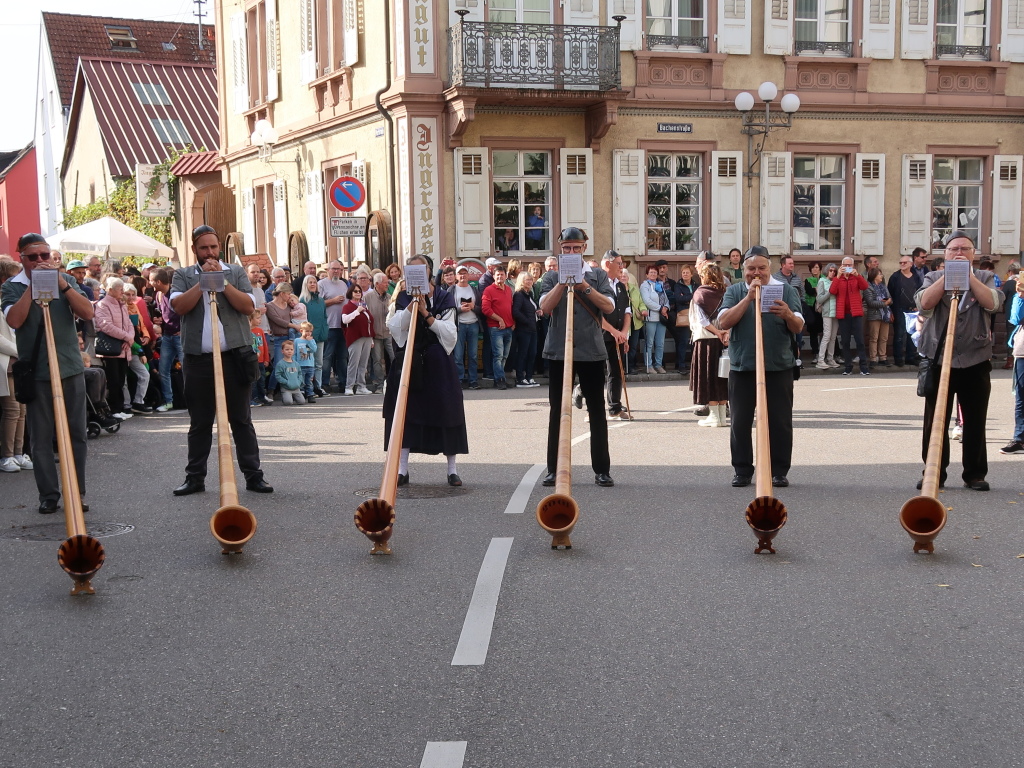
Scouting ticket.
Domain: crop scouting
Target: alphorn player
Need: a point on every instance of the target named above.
(26, 317)
(435, 418)
(593, 298)
(970, 376)
(779, 327)
(234, 306)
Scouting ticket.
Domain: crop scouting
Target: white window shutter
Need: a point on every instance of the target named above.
(315, 235)
(281, 221)
(472, 202)
(576, 190)
(582, 12)
(240, 62)
(629, 205)
(776, 202)
(916, 221)
(869, 205)
(734, 26)
(1012, 44)
(1006, 200)
(778, 27)
(361, 171)
(249, 220)
(307, 42)
(631, 31)
(726, 201)
(879, 29)
(475, 8)
(350, 22)
(273, 53)
(917, 32)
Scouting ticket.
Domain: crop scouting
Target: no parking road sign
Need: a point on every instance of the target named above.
(347, 193)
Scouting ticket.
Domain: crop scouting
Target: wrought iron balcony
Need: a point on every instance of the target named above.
(982, 52)
(822, 47)
(551, 56)
(655, 42)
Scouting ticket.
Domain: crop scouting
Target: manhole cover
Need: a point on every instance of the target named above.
(417, 492)
(58, 531)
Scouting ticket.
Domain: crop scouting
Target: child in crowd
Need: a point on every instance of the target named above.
(259, 346)
(289, 376)
(305, 352)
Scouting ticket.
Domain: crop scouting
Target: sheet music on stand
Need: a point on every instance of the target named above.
(570, 268)
(44, 285)
(957, 275)
(211, 281)
(417, 280)
(769, 295)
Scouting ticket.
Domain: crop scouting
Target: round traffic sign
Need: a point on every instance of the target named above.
(347, 193)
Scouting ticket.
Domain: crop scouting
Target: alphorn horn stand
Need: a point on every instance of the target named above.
(558, 513)
(375, 518)
(924, 516)
(232, 525)
(765, 514)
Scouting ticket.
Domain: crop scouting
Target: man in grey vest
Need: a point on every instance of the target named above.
(234, 306)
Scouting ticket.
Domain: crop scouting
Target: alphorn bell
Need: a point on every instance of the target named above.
(765, 514)
(924, 516)
(80, 555)
(375, 518)
(232, 525)
(558, 513)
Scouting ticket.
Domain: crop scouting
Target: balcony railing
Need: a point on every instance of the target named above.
(982, 52)
(655, 42)
(553, 56)
(822, 47)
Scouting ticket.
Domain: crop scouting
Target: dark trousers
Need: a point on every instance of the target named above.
(40, 422)
(486, 353)
(202, 413)
(681, 336)
(613, 384)
(591, 377)
(903, 348)
(972, 386)
(335, 359)
(116, 369)
(853, 326)
(526, 353)
(742, 403)
(635, 350)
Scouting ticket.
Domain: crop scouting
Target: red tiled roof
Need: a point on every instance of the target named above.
(196, 162)
(126, 125)
(261, 260)
(71, 36)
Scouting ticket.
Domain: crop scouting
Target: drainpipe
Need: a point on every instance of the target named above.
(393, 180)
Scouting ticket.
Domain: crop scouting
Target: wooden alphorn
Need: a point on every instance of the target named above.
(558, 513)
(232, 525)
(924, 516)
(375, 518)
(765, 514)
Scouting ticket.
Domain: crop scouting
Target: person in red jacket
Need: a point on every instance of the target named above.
(850, 313)
(496, 303)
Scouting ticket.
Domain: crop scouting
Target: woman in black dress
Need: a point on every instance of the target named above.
(709, 342)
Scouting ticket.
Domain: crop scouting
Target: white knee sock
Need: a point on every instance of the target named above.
(451, 463)
(403, 462)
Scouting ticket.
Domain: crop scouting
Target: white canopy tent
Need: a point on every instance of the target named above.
(108, 237)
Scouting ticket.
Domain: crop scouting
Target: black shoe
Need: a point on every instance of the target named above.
(549, 480)
(977, 485)
(703, 410)
(740, 481)
(85, 507)
(192, 484)
(140, 408)
(47, 507)
(403, 480)
(577, 397)
(501, 384)
(474, 385)
(454, 480)
(780, 481)
(604, 480)
(259, 486)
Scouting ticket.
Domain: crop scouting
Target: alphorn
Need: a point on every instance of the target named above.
(80, 555)
(375, 518)
(558, 513)
(232, 525)
(924, 516)
(765, 514)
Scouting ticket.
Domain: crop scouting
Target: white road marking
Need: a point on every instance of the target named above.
(517, 504)
(444, 754)
(580, 439)
(879, 386)
(476, 630)
(679, 410)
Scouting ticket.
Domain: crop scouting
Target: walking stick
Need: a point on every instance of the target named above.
(622, 374)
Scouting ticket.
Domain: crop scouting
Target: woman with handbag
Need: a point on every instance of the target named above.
(709, 343)
(879, 317)
(812, 315)
(655, 308)
(679, 307)
(826, 304)
(141, 350)
(115, 335)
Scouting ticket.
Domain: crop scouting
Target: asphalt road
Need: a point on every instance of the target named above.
(660, 639)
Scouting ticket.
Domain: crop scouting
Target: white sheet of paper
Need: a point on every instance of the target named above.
(957, 275)
(769, 295)
(211, 281)
(416, 279)
(570, 267)
(44, 285)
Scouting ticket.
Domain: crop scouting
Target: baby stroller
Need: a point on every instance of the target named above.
(98, 416)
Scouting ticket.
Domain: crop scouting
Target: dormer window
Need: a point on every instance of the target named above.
(122, 37)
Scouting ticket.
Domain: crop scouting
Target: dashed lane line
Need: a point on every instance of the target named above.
(877, 386)
(444, 754)
(517, 504)
(476, 630)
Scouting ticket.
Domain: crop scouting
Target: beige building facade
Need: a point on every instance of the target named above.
(484, 126)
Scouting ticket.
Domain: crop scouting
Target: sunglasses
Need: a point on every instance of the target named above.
(35, 256)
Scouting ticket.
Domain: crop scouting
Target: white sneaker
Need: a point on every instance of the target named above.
(24, 461)
(121, 416)
(822, 364)
(361, 390)
(532, 383)
(164, 408)
(9, 465)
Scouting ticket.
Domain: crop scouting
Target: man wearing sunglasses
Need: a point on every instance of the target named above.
(26, 317)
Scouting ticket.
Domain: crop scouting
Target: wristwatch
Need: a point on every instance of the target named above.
(587, 292)
(65, 289)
